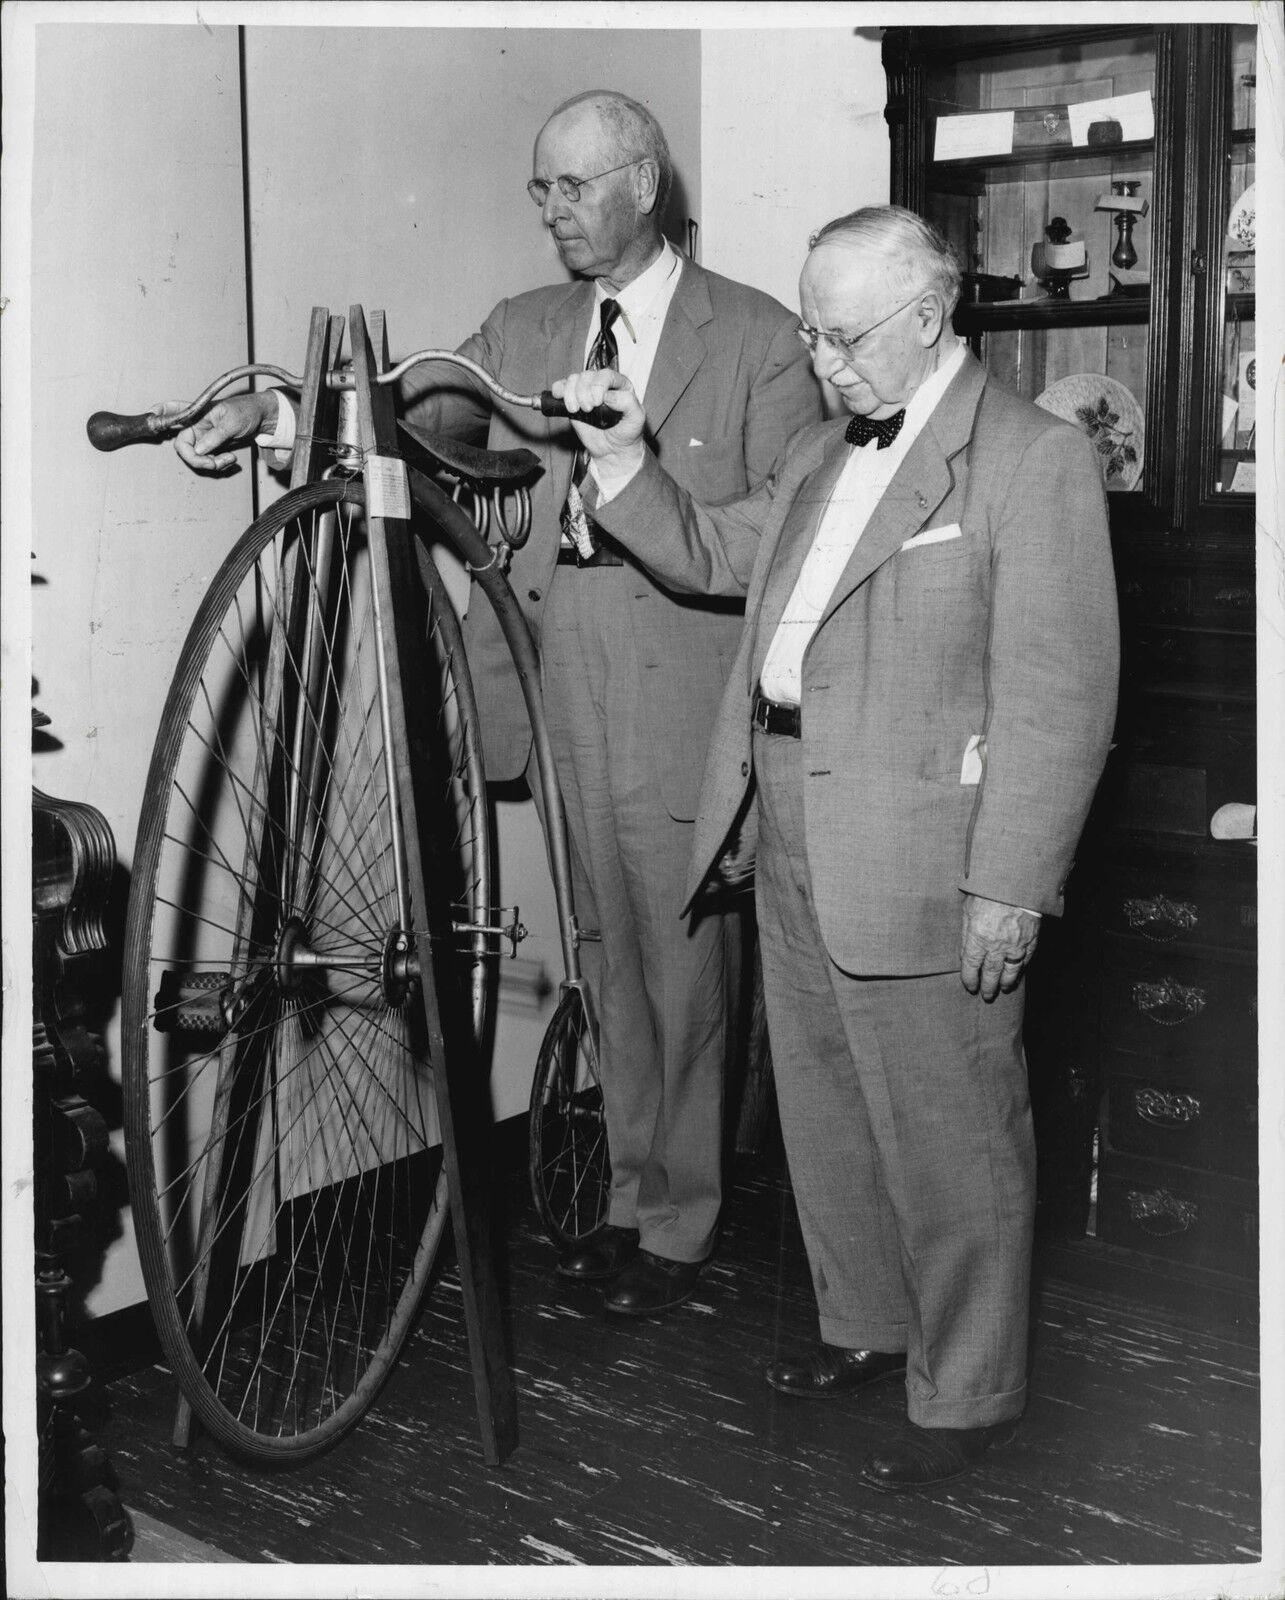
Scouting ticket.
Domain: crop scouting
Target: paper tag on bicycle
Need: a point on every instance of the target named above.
(387, 487)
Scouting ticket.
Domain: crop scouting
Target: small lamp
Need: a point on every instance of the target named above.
(1127, 205)
(1059, 258)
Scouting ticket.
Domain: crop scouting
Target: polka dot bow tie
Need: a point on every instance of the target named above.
(862, 429)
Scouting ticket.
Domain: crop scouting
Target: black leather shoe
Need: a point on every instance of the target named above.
(833, 1370)
(650, 1284)
(924, 1456)
(602, 1257)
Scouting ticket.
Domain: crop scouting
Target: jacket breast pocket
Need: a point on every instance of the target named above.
(925, 574)
(711, 469)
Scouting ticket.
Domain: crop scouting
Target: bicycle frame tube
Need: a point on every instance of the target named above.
(480, 559)
(390, 767)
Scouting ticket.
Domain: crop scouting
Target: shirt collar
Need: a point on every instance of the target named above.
(923, 402)
(637, 297)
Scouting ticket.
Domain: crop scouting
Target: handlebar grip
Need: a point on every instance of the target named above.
(108, 430)
(599, 417)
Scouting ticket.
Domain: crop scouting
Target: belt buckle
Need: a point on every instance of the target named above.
(761, 711)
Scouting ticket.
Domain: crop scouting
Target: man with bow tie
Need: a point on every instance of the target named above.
(912, 732)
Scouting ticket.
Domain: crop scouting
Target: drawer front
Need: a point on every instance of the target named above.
(1220, 598)
(1166, 658)
(1178, 1215)
(1156, 910)
(1175, 766)
(1180, 1009)
(1213, 1126)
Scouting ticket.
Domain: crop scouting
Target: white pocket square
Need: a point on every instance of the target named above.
(935, 536)
(695, 444)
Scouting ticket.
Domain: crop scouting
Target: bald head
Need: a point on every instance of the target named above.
(631, 131)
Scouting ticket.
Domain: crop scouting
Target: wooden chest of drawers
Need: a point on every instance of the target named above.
(1178, 1042)
(1172, 913)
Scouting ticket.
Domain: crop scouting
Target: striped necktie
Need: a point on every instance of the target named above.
(603, 353)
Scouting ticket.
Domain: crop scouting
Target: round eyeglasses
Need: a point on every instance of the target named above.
(847, 347)
(570, 187)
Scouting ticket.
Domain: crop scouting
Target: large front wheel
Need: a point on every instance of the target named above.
(285, 1165)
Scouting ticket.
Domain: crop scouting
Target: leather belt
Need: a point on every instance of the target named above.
(773, 717)
(569, 556)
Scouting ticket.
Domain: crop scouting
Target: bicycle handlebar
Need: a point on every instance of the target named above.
(109, 430)
(546, 402)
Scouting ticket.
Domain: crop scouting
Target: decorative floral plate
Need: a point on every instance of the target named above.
(1241, 223)
(1108, 413)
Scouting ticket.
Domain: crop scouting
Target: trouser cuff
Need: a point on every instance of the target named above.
(980, 1411)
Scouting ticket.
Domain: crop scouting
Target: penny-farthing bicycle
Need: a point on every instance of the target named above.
(311, 937)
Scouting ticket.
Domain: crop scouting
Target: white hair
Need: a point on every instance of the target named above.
(913, 251)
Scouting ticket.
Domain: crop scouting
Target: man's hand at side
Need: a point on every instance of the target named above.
(231, 423)
(996, 943)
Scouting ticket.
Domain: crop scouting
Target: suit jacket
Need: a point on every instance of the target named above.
(978, 609)
(730, 385)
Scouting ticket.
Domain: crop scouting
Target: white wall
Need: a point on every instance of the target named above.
(424, 214)
(792, 134)
(132, 301)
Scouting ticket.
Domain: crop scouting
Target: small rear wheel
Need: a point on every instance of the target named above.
(569, 1164)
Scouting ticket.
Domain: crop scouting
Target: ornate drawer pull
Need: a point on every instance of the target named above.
(1178, 1001)
(1236, 598)
(1158, 1212)
(1159, 918)
(1164, 1108)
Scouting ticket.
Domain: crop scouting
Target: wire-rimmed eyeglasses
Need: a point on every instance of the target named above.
(570, 187)
(847, 346)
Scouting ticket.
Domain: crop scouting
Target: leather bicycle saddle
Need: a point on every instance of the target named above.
(482, 466)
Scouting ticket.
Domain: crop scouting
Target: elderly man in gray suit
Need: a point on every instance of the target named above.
(632, 673)
(914, 726)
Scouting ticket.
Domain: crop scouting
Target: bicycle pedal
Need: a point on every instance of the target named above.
(191, 1002)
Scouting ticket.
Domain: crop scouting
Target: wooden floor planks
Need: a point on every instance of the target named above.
(658, 1442)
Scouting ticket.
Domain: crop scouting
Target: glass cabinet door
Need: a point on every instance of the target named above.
(1041, 169)
(1237, 415)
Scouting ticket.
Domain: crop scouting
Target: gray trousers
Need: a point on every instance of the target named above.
(906, 1117)
(661, 986)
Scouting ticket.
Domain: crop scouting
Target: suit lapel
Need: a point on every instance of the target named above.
(798, 532)
(681, 348)
(922, 482)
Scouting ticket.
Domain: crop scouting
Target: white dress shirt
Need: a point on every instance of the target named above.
(644, 305)
(861, 485)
